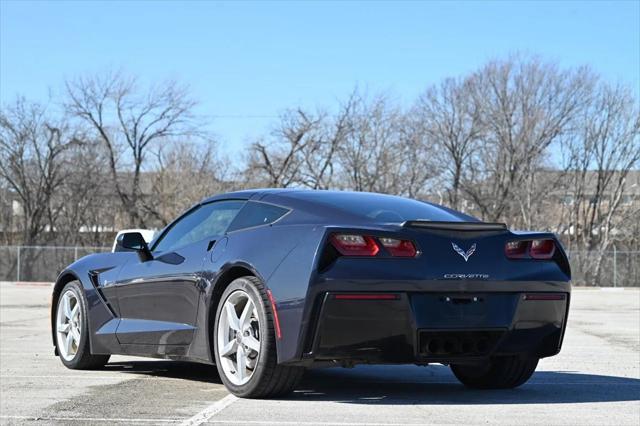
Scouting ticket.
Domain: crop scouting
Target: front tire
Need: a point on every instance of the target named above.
(245, 343)
(72, 330)
(498, 373)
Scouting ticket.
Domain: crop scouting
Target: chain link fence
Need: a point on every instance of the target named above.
(617, 268)
(39, 263)
(44, 263)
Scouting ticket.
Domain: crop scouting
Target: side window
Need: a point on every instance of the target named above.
(254, 214)
(205, 221)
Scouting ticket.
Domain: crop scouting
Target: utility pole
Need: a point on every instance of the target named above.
(615, 266)
(18, 266)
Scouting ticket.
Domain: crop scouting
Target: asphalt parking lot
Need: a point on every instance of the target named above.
(594, 380)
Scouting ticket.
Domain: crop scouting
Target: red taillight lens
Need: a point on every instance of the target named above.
(399, 248)
(366, 296)
(534, 249)
(516, 249)
(545, 296)
(542, 249)
(355, 245)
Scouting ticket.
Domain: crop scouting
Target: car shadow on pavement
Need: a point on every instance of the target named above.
(171, 369)
(435, 384)
(408, 384)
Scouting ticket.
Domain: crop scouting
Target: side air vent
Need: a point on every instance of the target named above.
(93, 277)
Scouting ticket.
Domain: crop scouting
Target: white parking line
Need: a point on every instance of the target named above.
(324, 423)
(359, 382)
(213, 409)
(156, 421)
(88, 419)
(128, 376)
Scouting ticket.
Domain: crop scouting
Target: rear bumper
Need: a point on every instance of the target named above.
(426, 327)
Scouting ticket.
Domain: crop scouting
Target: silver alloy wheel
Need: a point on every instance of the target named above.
(68, 325)
(238, 337)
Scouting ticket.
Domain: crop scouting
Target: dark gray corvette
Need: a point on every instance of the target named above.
(264, 283)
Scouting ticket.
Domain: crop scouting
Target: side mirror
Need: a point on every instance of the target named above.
(134, 241)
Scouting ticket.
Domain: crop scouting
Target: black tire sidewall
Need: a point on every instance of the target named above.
(83, 347)
(498, 373)
(266, 340)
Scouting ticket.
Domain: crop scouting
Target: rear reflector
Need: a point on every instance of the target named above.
(276, 319)
(355, 245)
(366, 296)
(399, 248)
(545, 296)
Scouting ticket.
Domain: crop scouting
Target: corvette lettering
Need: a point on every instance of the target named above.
(466, 276)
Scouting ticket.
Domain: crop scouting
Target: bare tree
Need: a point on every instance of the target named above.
(525, 106)
(366, 156)
(601, 155)
(418, 165)
(384, 151)
(451, 122)
(185, 174)
(34, 165)
(302, 149)
(128, 123)
(320, 156)
(90, 204)
(278, 162)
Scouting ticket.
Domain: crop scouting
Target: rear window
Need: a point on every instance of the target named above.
(380, 207)
(255, 214)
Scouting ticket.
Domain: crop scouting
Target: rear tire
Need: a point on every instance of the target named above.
(258, 375)
(497, 373)
(72, 330)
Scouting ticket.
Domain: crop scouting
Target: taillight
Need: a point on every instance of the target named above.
(534, 249)
(366, 245)
(516, 249)
(399, 248)
(542, 249)
(355, 245)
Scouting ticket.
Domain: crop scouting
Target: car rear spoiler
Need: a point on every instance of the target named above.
(455, 226)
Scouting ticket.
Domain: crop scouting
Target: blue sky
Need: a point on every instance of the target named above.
(246, 62)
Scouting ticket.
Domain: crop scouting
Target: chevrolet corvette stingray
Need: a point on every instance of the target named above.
(266, 283)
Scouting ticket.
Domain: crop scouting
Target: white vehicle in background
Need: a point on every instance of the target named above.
(147, 234)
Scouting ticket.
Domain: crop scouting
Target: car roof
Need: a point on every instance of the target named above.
(315, 200)
(300, 194)
(248, 194)
(259, 193)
